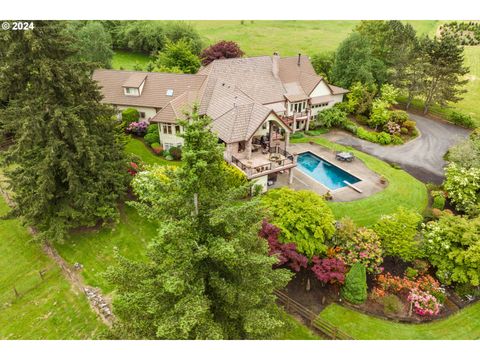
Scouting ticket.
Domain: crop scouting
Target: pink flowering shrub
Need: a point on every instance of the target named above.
(138, 128)
(330, 271)
(133, 168)
(423, 303)
(286, 253)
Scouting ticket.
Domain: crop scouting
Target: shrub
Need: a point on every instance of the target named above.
(130, 115)
(398, 116)
(137, 128)
(452, 245)
(421, 265)
(304, 218)
(398, 233)
(168, 157)
(286, 253)
(316, 132)
(439, 202)
(359, 245)
(424, 303)
(176, 153)
(463, 188)
(350, 126)
(152, 128)
(410, 125)
(383, 138)
(403, 130)
(467, 290)
(157, 148)
(332, 117)
(411, 273)
(397, 140)
(461, 119)
(392, 128)
(392, 304)
(415, 132)
(355, 288)
(234, 177)
(297, 135)
(331, 271)
(151, 138)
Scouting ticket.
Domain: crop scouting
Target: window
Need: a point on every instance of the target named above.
(131, 91)
(177, 129)
(167, 129)
(167, 146)
(264, 126)
(142, 114)
(169, 92)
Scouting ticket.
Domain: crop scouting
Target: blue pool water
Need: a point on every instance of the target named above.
(324, 172)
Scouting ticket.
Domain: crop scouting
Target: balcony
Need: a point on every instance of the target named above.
(261, 164)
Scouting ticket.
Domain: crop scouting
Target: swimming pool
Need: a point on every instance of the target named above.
(324, 172)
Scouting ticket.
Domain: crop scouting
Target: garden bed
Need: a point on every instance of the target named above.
(317, 296)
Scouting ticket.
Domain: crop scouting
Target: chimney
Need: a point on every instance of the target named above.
(299, 57)
(275, 68)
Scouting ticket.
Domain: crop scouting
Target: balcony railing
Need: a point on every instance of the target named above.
(284, 159)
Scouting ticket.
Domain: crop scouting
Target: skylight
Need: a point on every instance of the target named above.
(169, 92)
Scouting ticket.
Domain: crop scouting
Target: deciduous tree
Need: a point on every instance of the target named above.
(221, 50)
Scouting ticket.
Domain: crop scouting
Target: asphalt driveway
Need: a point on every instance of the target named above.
(421, 157)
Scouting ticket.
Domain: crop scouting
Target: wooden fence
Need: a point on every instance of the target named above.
(23, 285)
(313, 320)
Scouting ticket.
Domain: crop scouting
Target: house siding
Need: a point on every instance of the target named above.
(149, 112)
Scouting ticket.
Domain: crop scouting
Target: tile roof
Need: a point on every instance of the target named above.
(337, 90)
(135, 80)
(154, 90)
(254, 76)
(176, 108)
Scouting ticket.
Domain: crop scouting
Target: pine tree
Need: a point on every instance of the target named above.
(69, 165)
(208, 275)
(444, 72)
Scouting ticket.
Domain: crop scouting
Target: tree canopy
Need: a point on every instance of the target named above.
(94, 44)
(70, 168)
(208, 274)
(221, 50)
(355, 62)
(177, 57)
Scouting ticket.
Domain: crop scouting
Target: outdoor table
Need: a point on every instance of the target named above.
(344, 156)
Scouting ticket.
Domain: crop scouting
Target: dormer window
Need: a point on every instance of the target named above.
(169, 92)
(131, 91)
(134, 84)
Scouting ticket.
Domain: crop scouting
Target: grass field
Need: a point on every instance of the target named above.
(465, 325)
(402, 190)
(47, 309)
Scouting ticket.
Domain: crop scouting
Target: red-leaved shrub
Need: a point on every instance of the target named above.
(329, 270)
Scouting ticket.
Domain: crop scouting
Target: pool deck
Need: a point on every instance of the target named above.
(369, 183)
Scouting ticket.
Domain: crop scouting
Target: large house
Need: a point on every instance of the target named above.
(255, 104)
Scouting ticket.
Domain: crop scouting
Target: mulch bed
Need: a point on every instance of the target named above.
(311, 293)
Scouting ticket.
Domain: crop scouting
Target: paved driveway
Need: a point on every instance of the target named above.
(422, 157)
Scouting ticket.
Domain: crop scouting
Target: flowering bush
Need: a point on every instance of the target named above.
(329, 270)
(392, 128)
(359, 245)
(286, 253)
(138, 128)
(423, 303)
(133, 168)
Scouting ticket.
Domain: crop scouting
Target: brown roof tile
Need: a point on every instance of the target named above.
(154, 92)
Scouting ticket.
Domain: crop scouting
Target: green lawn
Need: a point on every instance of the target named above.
(294, 330)
(125, 60)
(137, 147)
(465, 325)
(95, 249)
(402, 190)
(49, 309)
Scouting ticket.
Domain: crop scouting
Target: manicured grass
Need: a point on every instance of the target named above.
(294, 330)
(95, 249)
(48, 309)
(464, 325)
(137, 147)
(125, 60)
(402, 190)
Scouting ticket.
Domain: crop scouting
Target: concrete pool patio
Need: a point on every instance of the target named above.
(369, 182)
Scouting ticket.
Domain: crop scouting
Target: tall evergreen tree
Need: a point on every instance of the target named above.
(69, 165)
(444, 72)
(208, 275)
